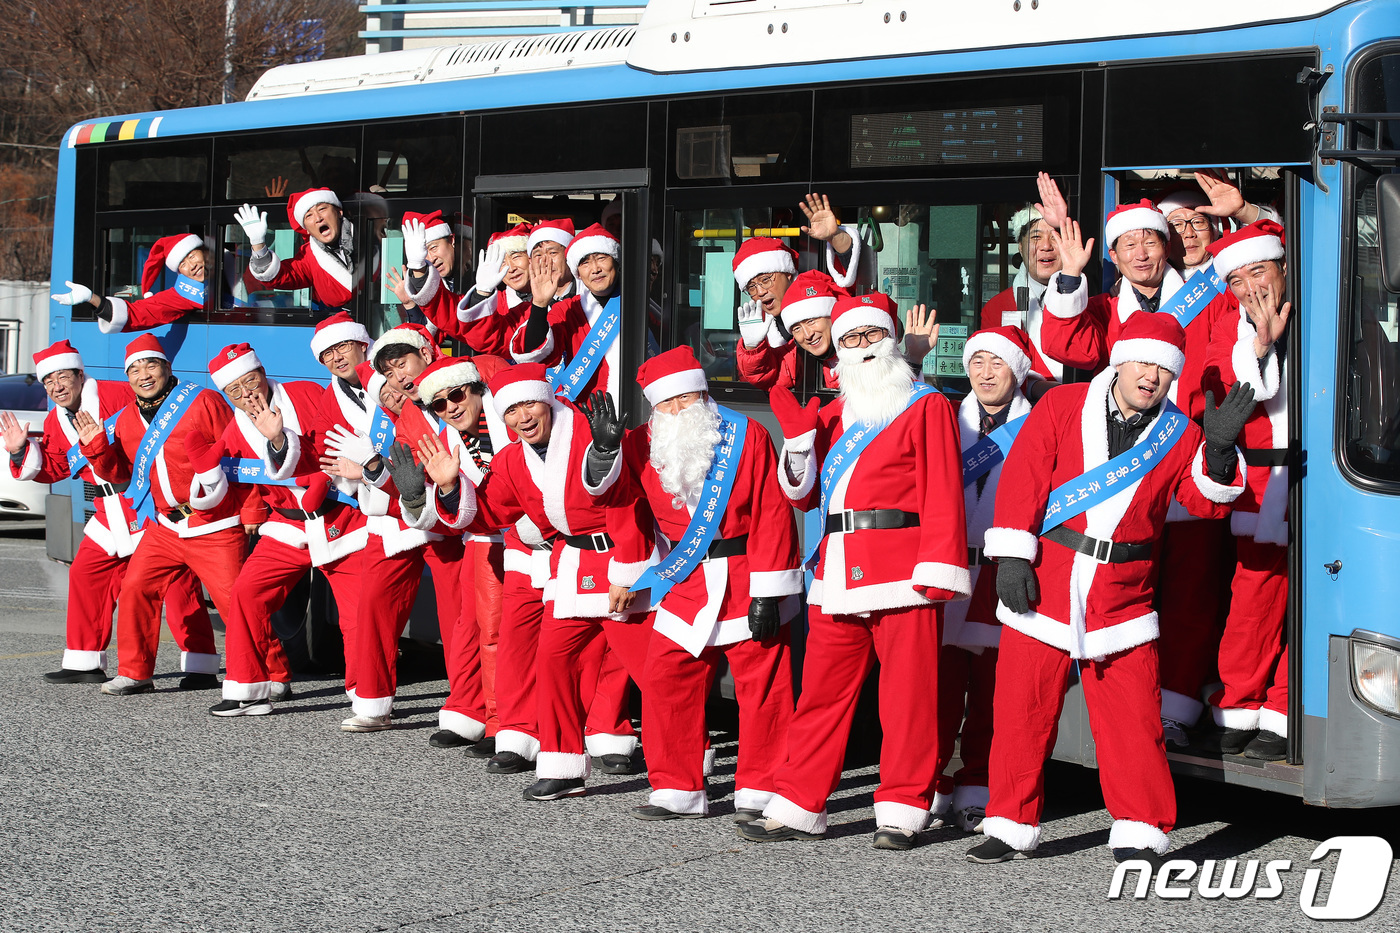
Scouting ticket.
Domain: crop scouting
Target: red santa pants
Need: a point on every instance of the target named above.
(840, 653)
(481, 582)
(1252, 650)
(966, 685)
(160, 560)
(675, 719)
(562, 703)
(464, 712)
(254, 658)
(94, 582)
(1124, 702)
(1190, 598)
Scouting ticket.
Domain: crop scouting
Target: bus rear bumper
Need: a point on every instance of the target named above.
(1351, 757)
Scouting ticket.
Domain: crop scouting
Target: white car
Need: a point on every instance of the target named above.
(23, 397)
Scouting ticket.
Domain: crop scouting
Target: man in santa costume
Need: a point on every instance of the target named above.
(162, 444)
(1022, 305)
(271, 439)
(805, 313)
(186, 255)
(1252, 706)
(997, 362)
(341, 344)
(1095, 467)
(881, 463)
(430, 259)
(1195, 213)
(709, 476)
(325, 260)
(110, 536)
(600, 548)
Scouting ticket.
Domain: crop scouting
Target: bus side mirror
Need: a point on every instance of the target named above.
(1388, 229)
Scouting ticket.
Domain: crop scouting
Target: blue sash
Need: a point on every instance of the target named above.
(381, 430)
(254, 472)
(988, 451)
(845, 451)
(190, 290)
(1102, 482)
(704, 525)
(76, 463)
(154, 439)
(570, 381)
(1193, 297)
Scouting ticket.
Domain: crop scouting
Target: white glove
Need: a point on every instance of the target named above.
(351, 446)
(254, 225)
(77, 294)
(753, 324)
(415, 244)
(490, 269)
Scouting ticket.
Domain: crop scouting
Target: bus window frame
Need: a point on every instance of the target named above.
(164, 217)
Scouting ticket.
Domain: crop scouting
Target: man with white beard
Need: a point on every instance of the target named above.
(729, 583)
(883, 464)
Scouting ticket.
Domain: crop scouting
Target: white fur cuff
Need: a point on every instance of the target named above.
(1131, 834)
(1065, 306)
(1208, 487)
(604, 743)
(468, 728)
(208, 489)
(561, 765)
(900, 815)
(1011, 542)
(120, 315)
(1235, 718)
(790, 814)
(1019, 836)
(1271, 720)
(624, 573)
(776, 582)
(953, 577)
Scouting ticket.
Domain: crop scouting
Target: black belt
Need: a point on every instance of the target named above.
(542, 546)
(101, 490)
(1266, 457)
(726, 547)
(598, 542)
(181, 512)
(882, 519)
(978, 556)
(301, 515)
(1105, 552)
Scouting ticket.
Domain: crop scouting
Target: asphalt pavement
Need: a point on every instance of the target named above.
(146, 814)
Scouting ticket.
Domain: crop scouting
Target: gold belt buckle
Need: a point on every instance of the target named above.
(185, 510)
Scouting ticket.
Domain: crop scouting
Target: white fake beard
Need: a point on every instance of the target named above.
(683, 447)
(875, 390)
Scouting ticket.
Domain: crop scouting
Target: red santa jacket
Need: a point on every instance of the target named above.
(569, 323)
(1262, 511)
(1089, 609)
(767, 366)
(1001, 311)
(174, 481)
(551, 493)
(711, 606)
(164, 307)
(438, 304)
(311, 267)
(488, 325)
(113, 528)
(914, 466)
(340, 529)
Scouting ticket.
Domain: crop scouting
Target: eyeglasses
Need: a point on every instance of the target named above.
(760, 283)
(863, 338)
(245, 386)
(57, 376)
(453, 397)
(340, 349)
(1197, 223)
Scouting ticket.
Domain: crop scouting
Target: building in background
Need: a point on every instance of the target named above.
(395, 26)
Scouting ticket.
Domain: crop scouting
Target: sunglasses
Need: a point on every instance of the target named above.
(453, 397)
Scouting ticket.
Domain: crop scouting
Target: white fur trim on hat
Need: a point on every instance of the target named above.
(235, 368)
(807, 309)
(57, 362)
(1145, 350)
(860, 316)
(583, 247)
(770, 260)
(1185, 198)
(310, 199)
(673, 384)
(511, 244)
(1247, 252)
(998, 345)
(437, 232)
(546, 232)
(1022, 219)
(525, 390)
(144, 355)
(463, 373)
(398, 335)
(376, 385)
(327, 337)
(1137, 218)
(180, 250)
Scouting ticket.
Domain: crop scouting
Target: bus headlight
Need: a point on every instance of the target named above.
(1375, 672)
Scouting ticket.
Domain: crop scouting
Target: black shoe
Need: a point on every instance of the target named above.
(1267, 746)
(1143, 855)
(616, 764)
(229, 708)
(745, 815)
(990, 851)
(66, 676)
(199, 682)
(555, 789)
(509, 763)
(653, 812)
(446, 738)
(769, 830)
(1233, 741)
(485, 748)
(892, 837)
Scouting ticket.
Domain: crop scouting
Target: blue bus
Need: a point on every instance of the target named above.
(926, 127)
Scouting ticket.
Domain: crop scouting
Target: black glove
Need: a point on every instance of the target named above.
(607, 426)
(763, 617)
(1223, 424)
(1016, 584)
(407, 475)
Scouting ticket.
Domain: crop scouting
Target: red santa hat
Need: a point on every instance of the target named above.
(413, 335)
(1258, 242)
(1009, 343)
(560, 231)
(524, 382)
(672, 373)
(61, 355)
(873, 310)
(168, 251)
(444, 374)
(811, 294)
(435, 224)
(1140, 216)
(233, 362)
(301, 202)
(372, 380)
(335, 329)
(145, 347)
(761, 254)
(1151, 338)
(592, 240)
(1190, 197)
(513, 240)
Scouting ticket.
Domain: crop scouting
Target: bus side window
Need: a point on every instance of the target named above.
(245, 292)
